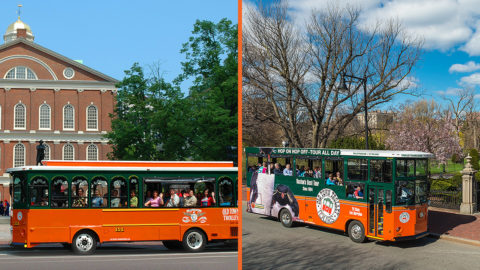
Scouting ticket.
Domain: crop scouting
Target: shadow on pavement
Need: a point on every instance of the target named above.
(442, 222)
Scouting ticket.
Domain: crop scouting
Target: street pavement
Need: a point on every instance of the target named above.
(268, 245)
(128, 256)
(118, 256)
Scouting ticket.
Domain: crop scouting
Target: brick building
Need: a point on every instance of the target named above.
(47, 96)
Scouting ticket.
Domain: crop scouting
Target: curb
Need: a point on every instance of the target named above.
(454, 239)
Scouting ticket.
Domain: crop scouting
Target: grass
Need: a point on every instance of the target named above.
(450, 168)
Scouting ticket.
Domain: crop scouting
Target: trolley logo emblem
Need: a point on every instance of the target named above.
(194, 215)
(404, 217)
(328, 205)
(19, 216)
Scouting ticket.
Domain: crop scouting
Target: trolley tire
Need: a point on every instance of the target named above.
(172, 244)
(194, 240)
(356, 231)
(286, 218)
(84, 243)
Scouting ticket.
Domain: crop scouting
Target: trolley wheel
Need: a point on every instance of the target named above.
(84, 243)
(172, 244)
(286, 218)
(356, 231)
(194, 240)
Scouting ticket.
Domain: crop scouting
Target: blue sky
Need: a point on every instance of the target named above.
(111, 35)
(450, 29)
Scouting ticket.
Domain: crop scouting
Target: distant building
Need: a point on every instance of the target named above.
(47, 96)
(376, 119)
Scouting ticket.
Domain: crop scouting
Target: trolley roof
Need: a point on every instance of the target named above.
(111, 168)
(136, 163)
(336, 152)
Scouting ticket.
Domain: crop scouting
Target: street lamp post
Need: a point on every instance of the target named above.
(343, 86)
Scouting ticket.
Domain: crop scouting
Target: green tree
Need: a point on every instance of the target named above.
(212, 62)
(148, 122)
(154, 121)
(474, 155)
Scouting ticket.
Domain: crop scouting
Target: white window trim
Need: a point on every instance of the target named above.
(86, 118)
(86, 157)
(63, 151)
(24, 154)
(26, 73)
(63, 119)
(49, 117)
(15, 116)
(48, 146)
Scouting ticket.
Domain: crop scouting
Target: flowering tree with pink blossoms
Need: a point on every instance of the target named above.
(422, 127)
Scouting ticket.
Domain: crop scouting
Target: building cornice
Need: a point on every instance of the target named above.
(55, 137)
(65, 85)
(58, 56)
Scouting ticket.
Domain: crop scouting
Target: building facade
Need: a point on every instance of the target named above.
(47, 96)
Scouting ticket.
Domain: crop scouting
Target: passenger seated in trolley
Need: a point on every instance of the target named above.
(115, 202)
(287, 171)
(133, 199)
(156, 201)
(338, 179)
(97, 201)
(358, 194)
(174, 200)
(190, 199)
(330, 181)
(277, 169)
(207, 200)
(80, 201)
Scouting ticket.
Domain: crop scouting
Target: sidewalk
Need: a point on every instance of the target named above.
(451, 225)
(5, 233)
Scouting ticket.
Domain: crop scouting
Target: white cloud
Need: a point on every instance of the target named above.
(451, 91)
(471, 80)
(470, 66)
(444, 24)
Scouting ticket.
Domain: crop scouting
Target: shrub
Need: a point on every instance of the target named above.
(474, 154)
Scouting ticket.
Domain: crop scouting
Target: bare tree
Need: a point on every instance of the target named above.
(460, 105)
(298, 71)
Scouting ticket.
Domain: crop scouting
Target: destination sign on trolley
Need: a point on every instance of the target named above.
(298, 151)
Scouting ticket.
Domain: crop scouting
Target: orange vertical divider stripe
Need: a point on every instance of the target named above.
(239, 148)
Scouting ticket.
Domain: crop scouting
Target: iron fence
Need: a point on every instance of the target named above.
(445, 199)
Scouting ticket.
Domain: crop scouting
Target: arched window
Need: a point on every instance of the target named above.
(47, 152)
(44, 116)
(92, 152)
(18, 155)
(68, 117)
(68, 152)
(20, 116)
(21, 73)
(92, 118)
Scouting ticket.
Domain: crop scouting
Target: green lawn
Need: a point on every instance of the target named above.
(450, 168)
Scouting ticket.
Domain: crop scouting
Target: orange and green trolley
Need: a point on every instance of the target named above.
(85, 203)
(372, 194)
